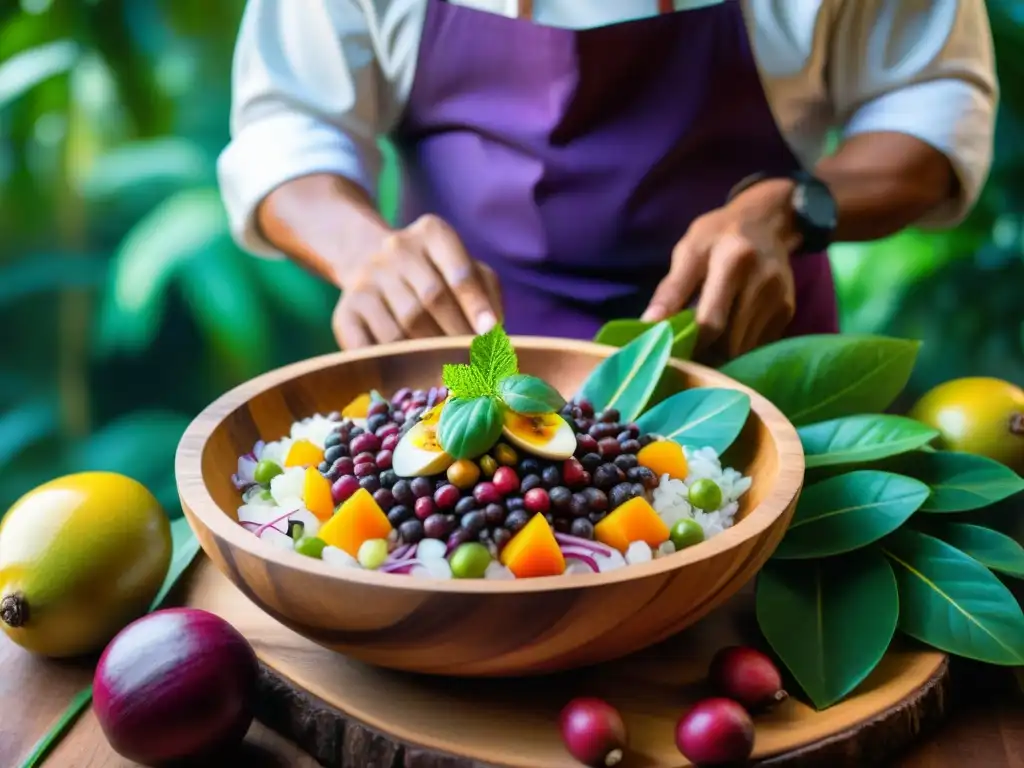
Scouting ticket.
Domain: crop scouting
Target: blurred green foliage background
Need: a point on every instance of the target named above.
(126, 308)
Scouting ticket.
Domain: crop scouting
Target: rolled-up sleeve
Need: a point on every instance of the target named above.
(304, 100)
(924, 68)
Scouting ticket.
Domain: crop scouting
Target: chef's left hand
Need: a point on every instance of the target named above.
(738, 258)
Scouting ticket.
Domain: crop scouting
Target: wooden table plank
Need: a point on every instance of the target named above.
(987, 732)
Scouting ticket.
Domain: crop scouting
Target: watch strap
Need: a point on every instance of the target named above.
(816, 227)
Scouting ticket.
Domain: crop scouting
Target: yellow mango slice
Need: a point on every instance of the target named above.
(358, 519)
(316, 494)
(358, 408)
(303, 453)
(534, 551)
(664, 457)
(636, 520)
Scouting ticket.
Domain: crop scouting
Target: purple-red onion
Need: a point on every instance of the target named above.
(259, 531)
(399, 566)
(575, 541)
(584, 556)
(176, 684)
(245, 479)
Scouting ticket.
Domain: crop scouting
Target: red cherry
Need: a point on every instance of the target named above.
(506, 480)
(716, 732)
(747, 676)
(593, 732)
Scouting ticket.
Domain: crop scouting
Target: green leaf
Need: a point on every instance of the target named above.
(848, 512)
(618, 333)
(952, 602)
(185, 228)
(58, 730)
(815, 378)
(464, 380)
(856, 439)
(26, 424)
(27, 69)
(469, 427)
(992, 549)
(699, 417)
(296, 292)
(961, 482)
(626, 379)
(829, 621)
(492, 354)
(39, 274)
(530, 395)
(138, 166)
(186, 547)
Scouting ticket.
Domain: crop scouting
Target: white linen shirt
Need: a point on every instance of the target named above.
(315, 82)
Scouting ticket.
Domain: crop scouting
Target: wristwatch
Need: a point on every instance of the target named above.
(814, 207)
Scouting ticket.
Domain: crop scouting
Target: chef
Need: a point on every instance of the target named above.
(566, 162)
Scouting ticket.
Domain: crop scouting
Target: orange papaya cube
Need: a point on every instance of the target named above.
(664, 457)
(316, 494)
(534, 551)
(358, 408)
(636, 520)
(358, 519)
(303, 453)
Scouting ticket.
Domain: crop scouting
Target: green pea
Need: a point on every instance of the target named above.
(266, 471)
(470, 561)
(488, 466)
(266, 495)
(372, 554)
(310, 546)
(705, 494)
(686, 533)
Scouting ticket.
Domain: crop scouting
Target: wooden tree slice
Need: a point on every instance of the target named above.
(346, 713)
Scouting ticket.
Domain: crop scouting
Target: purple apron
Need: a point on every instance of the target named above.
(573, 161)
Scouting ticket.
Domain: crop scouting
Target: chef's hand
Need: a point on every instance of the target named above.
(738, 258)
(420, 283)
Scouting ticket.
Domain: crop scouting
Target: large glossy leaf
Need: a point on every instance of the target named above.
(699, 417)
(168, 161)
(850, 511)
(41, 274)
(185, 228)
(830, 621)
(24, 424)
(618, 333)
(186, 547)
(961, 482)
(816, 378)
(953, 602)
(626, 379)
(27, 69)
(992, 549)
(857, 439)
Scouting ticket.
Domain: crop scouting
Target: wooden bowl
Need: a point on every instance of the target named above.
(473, 628)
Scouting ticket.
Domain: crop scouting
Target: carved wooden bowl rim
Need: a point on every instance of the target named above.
(196, 498)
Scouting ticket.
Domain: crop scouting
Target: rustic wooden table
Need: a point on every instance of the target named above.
(985, 729)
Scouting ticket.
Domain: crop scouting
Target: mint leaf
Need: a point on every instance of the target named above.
(464, 381)
(493, 356)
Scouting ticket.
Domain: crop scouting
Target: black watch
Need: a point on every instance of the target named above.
(814, 207)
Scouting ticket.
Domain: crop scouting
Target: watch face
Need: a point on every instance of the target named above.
(815, 202)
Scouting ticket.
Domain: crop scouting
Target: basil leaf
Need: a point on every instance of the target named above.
(699, 417)
(469, 427)
(961, 482)
(829, 621)
(867, 437)
(992, 549)
(626, 379)
(815, 378)
(850, 511)
(530, 395)
(954, 603)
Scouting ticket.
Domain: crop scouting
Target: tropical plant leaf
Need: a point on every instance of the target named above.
(816, 378)
(850, 511)
(961, 482)
(829, 621)
(27, 69)
(187, 226)
(862, 438)
(954, 603)
(38, 274)
(699, 417)
(618, 333)
(25, 424)
(626, 379)
(186, 547)
(167, 161)
(993, 549)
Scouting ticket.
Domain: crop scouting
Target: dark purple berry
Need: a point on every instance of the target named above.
(530, 482)
(638, 489)
(529, 466)
(344, 466)
(388, 478)
(474, 522)
(501, 537)
(370, 482)
(591, 461)
(514, 502)
(421, 487)
(436, 527)
(364, 458)
(375, 422)
(597, 517)
(486, 493)
(390, 442)
(365, 470)
(334, 453)
(597, 500)
(446, 497)
(578, 506)
(402, 491)
(384, 499)
(582, 528)
(383, 460)
(354, 432)
(573, 474)
(551, 476)
(625, 461)
(323, 467)
(620, 494)
(631, 446)
(607, 476)
(517, 520)
(465, 505)
(609, 447)
(646, 440)
(411, 531)
(398, 515)
(494, 514)
(377, 408)
(561, 525)
(344, 487)
(388, 430)
(585, 444)
(560, 498)
(644, 476)
(609, 416)
(401, 396)
(425, 507)
(332, 439)
(585, 407)
(365, 442)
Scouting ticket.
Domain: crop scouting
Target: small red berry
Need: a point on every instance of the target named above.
(537, 500)
(486, 493)
(573, 474)
(424, 507)
(506, 480)
(383, 460)
(446, 497)
(344, 487)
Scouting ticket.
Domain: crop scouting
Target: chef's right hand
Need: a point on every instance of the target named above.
(420, 283)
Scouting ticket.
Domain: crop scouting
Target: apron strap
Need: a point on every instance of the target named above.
(666, 6)
(525, 9)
